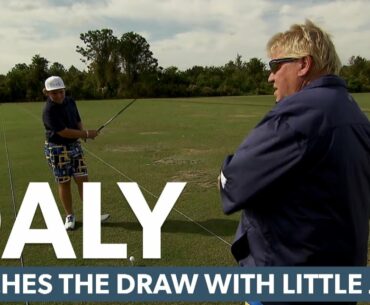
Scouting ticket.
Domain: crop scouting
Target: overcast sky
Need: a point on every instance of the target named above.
(181, 33)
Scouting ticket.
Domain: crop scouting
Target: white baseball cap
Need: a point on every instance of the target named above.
(54, 83)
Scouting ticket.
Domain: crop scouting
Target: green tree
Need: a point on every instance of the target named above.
(357, 74)
(4, 92)
(17, 82)
(234, 78)
(37, 73)
(136, 59)
(191, 76)
(173, 82)
(75, 82)
(256, 76)
(57, 69)
(100, 52)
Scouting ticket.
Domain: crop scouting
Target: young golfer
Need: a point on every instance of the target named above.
(63, 128)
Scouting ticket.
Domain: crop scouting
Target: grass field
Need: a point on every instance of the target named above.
(153, 142)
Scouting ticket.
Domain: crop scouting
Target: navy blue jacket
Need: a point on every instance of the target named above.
(302, 181)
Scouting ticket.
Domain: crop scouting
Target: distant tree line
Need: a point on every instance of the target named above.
(125, 67)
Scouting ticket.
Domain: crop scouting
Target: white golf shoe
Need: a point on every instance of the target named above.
(70, 222)
(104, 217)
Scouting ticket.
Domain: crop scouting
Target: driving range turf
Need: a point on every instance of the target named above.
(154, 142)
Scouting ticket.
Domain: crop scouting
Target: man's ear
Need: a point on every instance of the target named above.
(306, 66)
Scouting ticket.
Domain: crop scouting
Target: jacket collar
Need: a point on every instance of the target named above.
(326, 81)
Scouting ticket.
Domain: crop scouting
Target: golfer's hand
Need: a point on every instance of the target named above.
(91, 134)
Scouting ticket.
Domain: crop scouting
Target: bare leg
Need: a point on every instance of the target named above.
(79, 181)
(65, 195)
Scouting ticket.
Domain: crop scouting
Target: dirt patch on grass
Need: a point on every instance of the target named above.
(200, 177)
(178, 160)
(194, 151)
(243, 116)
(200, 115)
(149, 133)
(186, 156)
(131, 148)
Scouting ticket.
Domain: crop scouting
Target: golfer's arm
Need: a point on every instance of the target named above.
(73, 133)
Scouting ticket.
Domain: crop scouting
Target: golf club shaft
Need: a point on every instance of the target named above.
(116, 115)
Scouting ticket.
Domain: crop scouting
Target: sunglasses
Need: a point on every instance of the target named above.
(275, 64)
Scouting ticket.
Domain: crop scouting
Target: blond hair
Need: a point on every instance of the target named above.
(307, 40)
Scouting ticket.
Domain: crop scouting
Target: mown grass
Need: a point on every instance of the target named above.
(153, 142)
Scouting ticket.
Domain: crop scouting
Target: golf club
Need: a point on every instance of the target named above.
(116, 115)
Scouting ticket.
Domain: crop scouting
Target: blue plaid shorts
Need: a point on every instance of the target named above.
(65, 160)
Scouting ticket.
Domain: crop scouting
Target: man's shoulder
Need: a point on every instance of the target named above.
(322, 88)
(69, 103)
(324, 105)
(320, 96)
(69, 100)
(48, 105)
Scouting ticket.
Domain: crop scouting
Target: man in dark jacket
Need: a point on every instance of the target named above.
(302, 177)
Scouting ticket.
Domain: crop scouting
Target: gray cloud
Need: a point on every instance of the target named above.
(181, 33)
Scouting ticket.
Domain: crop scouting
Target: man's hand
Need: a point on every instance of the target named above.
(91, 134)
